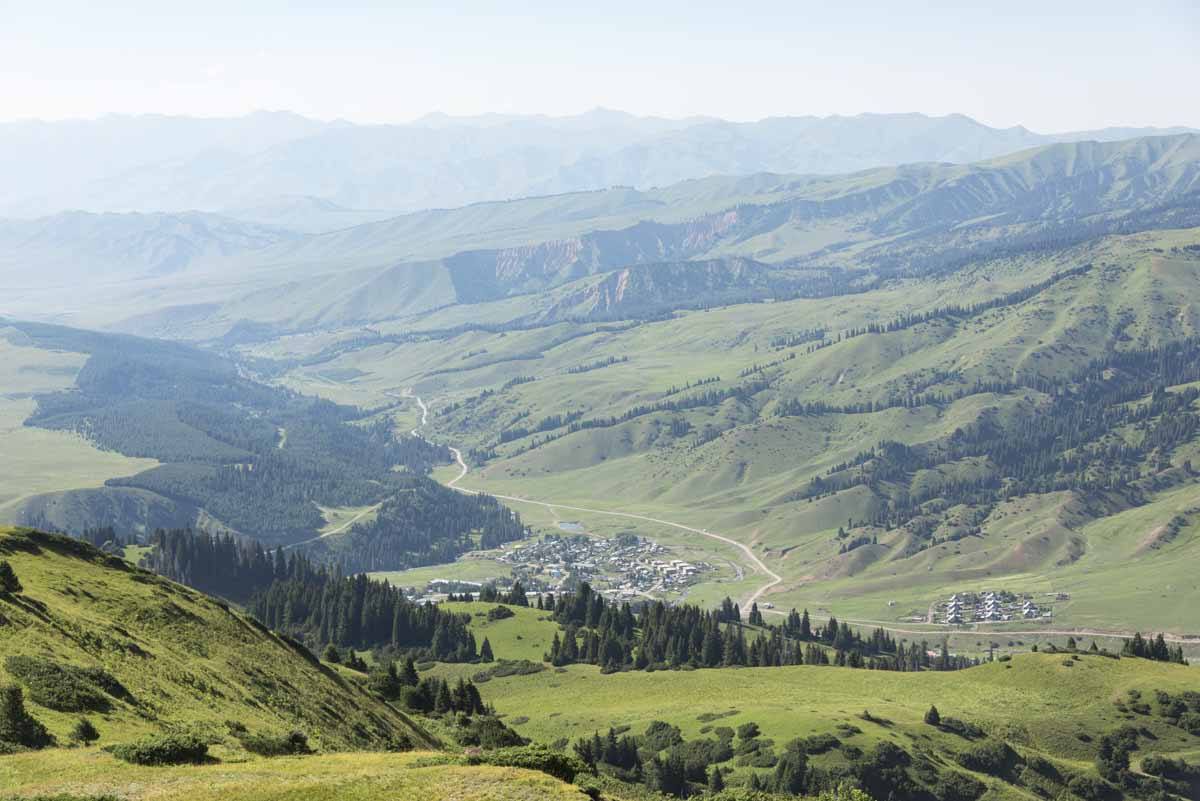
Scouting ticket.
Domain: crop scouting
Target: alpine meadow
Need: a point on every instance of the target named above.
(768, 441)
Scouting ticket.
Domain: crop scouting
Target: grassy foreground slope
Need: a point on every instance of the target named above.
(186, 661)
(329, 777)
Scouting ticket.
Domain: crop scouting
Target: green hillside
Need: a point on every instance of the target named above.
(1051, 710)
(1035, 701)
(182, 660)
(334, 777)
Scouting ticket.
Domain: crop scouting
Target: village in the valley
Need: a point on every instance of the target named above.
(626, 566)
(993, 606)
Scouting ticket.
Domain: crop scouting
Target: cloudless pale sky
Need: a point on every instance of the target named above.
(1048, 65)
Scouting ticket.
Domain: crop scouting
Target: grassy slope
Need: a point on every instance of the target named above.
(798, 701)
(187, 660)
(344, 777)
(1034, 701)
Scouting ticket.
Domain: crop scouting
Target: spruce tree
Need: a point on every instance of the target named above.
(485, 652)
(716, 783)
(386, 683)
(442, 701)
(790, 773)
(933, 717)
(17, 726)
(8, 579)
(409, 677)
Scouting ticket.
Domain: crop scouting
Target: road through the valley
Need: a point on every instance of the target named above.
(772, 578)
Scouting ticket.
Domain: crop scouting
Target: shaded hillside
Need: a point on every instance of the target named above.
(76, 247)
(171, 657)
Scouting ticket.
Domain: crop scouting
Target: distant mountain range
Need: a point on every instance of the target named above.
(283, 169)
(198, 276)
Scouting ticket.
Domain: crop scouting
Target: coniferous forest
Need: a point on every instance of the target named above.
(263, 460)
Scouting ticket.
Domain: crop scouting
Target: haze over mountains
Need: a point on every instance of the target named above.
(198, 275)
(280, 168)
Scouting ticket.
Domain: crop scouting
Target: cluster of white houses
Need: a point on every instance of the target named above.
(990, 607)
(623, 566)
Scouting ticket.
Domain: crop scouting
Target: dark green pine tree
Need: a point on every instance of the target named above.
(516, 596)
(790, 773)
(933, 717)
(16, 725)
(8, 579)
(443, 702)
(716, 783)
(409, 677)
(386, 683)
(485, 652)
(805, 626)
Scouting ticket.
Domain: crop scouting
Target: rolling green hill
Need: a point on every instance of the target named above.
(1051, 709)
(171, 658)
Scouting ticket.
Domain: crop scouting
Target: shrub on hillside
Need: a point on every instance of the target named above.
(962, 728)
(534, 757)
(65, 688)
(760, 758)
(170, 749)
(1089, 788)
(84, 732)
(955, 786)
(660, 735)
(19, 729)
(273, 745)
(508, 667)
(993, 757)
(815, 744)
(1190, 722)
(500, 613)
(488, 732)
(1157, 765)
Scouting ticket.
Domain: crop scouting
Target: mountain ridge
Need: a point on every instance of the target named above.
(213, 164)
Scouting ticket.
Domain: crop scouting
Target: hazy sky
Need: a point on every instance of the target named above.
(1048, 65)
